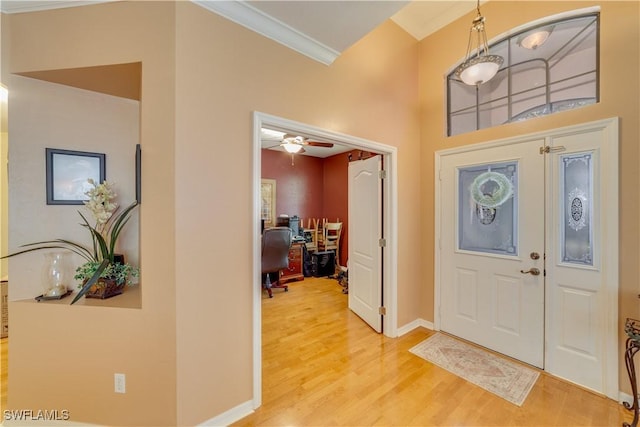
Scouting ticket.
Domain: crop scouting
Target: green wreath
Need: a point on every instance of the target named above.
(498, 197)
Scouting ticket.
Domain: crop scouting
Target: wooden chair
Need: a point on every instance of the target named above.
(331, 241)
(319, 226)
(311, 235)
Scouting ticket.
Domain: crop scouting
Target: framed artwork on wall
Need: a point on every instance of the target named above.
(268, 202)
(68, 172)
(138, 174)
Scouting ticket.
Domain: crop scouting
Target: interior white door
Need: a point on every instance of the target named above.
(492, 248)
(582, 258)
(365, 230)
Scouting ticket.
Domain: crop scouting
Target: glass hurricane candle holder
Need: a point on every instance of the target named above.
(57, 274)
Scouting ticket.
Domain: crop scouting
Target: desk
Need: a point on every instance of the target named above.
(294, 272)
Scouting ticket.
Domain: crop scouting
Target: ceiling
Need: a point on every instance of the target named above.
(320, 29)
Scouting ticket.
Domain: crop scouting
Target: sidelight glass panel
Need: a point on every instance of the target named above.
(488, 208)
(577, 208)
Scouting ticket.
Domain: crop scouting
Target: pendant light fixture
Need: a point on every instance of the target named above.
(479, 66)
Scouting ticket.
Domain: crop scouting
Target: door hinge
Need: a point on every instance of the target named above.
(550, 149)
(382, 243)
(382, 311)
(382, 174)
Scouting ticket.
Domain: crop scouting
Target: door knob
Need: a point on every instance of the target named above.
(534, 255)
(533, 271)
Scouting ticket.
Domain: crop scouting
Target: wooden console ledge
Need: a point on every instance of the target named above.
(130, 298)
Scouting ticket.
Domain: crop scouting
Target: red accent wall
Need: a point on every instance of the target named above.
(310, 188)
(336, 197)
(298, 186)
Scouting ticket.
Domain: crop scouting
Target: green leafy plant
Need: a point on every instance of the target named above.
(100, 258)
(121, 273)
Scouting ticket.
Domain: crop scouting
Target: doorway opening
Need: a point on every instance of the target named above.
(389, 213)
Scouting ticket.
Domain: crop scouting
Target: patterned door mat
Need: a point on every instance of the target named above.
(502, 377)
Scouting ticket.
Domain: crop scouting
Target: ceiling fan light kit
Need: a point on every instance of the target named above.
(291, 147)
(481, 67)
(295, 143)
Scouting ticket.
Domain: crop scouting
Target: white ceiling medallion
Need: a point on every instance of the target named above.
(248, 16)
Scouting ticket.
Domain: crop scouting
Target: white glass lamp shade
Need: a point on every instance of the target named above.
(479, 70)
(292, 147)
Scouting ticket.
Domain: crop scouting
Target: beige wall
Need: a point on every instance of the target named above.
(619, 93)
(48, 115)
(4, 187)
(4, 184)
(64, 357)
(224, 73)
(187, 352)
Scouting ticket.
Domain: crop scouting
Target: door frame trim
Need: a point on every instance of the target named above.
(389, 221)
(609, 167)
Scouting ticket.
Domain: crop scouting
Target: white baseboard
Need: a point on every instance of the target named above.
(415, 324)
(230, 416)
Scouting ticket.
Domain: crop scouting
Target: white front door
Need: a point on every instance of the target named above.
(501, 205)
(582, 249)
(365, 230)
(492, 241)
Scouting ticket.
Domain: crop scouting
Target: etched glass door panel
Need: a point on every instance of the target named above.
(492, 291)
(576, 189)
(581, 286)
(488, 208)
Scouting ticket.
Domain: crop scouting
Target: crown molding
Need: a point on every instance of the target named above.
(13, 6)
(239, 12)
(248, 16)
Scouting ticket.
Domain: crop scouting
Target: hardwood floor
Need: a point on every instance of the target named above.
(322, 365)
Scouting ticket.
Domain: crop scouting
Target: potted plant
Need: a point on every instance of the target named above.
(104, 274)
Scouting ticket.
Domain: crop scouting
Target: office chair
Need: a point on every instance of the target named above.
(276, 242)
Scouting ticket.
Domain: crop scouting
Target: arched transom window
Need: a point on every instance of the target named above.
(548, 67)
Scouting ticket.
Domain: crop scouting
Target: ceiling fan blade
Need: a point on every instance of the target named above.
(319, 144)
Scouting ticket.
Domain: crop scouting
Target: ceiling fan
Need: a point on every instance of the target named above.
(295, 144)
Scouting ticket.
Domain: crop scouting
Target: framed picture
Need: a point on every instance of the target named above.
(138, 174)
(68, 173)
(268, 202)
